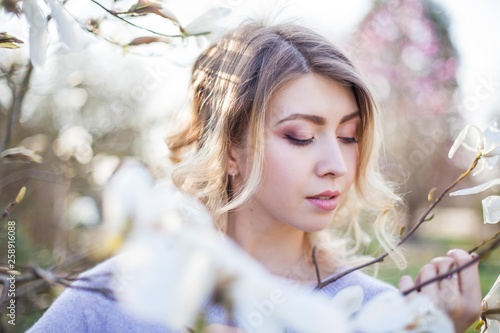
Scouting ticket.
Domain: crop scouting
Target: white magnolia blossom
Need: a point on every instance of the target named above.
(38, 35)
(69, 30)
(174, 260)
(491, 205)
(492, 302)
(491, 209)
(391, 312)
(487, 143)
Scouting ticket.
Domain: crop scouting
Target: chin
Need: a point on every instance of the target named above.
(315, 227)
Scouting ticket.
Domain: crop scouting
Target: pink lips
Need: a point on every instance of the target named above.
(327, 200)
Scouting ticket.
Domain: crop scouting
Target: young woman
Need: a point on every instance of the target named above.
(282, 148)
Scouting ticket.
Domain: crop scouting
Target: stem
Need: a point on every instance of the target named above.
(491, 311)
(403, 239)
(143, 28)
(475, 248)
(480, 255)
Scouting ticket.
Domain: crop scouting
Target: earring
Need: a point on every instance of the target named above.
(233, 176)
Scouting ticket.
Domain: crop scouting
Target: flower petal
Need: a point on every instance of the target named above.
(207, 21)
(459, 141)
(491, 210)
(38, 32)
(377, 316)
(350, 299)
(477, 189)
(492, 140)
(69, 31)
(492, 300)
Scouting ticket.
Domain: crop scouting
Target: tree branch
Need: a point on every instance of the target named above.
(480, 255)
(18, 97)
(146, 29)
(421, 220)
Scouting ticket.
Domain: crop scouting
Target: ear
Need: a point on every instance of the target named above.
(233, 157)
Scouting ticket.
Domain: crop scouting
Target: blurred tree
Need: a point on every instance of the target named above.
(404, 48)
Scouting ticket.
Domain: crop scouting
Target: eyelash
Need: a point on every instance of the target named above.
(348, 140)
(298, 142)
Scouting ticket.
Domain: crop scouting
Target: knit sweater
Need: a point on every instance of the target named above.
(80, 311)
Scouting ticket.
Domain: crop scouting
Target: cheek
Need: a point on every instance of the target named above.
(282, 165)
(351, 159)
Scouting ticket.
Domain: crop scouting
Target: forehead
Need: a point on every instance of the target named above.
(312, 94)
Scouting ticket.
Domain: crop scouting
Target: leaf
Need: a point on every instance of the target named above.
(460, 141)
(477, 189)
(38, 32)
(9, 42)
(20, 155)
(149, 40)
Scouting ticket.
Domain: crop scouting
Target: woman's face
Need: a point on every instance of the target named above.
(311, 153)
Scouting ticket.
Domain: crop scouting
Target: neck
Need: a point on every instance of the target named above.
(282, 249)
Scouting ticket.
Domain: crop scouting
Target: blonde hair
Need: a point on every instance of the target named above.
(233, 82)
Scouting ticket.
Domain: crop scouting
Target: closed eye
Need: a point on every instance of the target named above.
(347, 140)
(299, 142)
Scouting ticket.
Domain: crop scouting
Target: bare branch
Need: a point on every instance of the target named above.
(18, 97)
(115, 14)
(480, 255)
(421, 220)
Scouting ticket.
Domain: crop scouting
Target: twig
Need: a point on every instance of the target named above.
(18, 199)
(480, 255)
(475, 248)
(35, 273)
(421, 220)
(146, 29)
(18, 97)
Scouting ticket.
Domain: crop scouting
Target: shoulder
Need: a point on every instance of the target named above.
(78, 309)
(370, 285)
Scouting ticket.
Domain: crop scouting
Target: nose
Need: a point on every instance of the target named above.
(331, 161)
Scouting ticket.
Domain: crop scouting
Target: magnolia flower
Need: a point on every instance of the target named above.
(68, 28)
(38, 21)
(491, 205)
(488, 145)
(491, 309)
(391, 312)
(38, 31)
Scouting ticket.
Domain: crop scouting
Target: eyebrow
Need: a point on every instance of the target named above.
(350, 116)
(318, 120)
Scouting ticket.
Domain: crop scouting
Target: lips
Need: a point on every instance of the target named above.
(326, 200)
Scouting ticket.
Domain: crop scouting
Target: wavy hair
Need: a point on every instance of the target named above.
(233, 82)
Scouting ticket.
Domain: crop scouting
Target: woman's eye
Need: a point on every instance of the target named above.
(298, 142)
(347, 139)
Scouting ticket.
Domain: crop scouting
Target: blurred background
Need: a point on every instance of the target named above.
(119, 89)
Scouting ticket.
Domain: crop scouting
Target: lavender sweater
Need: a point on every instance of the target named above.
(79, 311)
